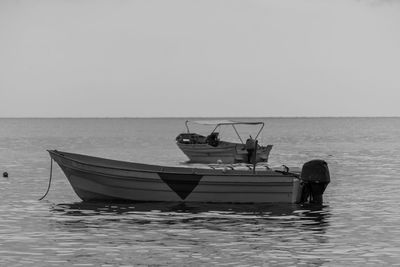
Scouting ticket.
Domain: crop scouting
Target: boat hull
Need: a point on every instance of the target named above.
(225, 152)
(95, 179)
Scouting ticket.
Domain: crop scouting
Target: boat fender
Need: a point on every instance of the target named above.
(315, 178)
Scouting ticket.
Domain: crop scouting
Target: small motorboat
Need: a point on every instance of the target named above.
(100, 179)
(211, 149)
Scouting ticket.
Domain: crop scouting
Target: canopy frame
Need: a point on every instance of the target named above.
(219, 123)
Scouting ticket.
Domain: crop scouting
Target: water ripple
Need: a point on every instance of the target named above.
(357, 226)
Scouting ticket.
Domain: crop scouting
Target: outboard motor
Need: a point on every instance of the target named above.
(315, 178)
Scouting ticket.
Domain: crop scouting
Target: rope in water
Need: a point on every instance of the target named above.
(48, 187)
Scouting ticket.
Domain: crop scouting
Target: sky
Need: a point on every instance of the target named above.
(208, 58)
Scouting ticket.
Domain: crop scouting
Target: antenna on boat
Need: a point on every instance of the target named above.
(187, 127)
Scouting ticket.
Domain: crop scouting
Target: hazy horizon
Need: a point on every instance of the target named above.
(215, 117)
(143, 59)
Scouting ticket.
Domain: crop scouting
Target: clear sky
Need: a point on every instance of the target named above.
(185, 58)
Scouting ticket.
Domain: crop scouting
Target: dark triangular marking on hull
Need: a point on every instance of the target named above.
(182, 184)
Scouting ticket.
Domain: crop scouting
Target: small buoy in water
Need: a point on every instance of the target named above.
(5, 174)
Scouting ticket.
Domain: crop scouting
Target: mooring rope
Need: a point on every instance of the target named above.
(48, 187)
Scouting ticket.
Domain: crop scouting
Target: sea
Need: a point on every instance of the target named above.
(357, 225)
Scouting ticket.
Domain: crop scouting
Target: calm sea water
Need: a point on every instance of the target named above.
(358, 225)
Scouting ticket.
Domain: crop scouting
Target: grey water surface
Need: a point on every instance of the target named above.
(358, 225)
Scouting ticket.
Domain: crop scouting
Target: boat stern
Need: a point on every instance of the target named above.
(314, 179)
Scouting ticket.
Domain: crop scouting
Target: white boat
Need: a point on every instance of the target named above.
(211, 149)
(100, 179)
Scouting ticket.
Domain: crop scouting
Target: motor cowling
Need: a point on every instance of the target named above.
(315, 178)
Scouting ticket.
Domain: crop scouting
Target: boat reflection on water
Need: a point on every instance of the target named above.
(308, 216)
(150, 233)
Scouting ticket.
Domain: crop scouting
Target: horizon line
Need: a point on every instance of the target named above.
(196, 117)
